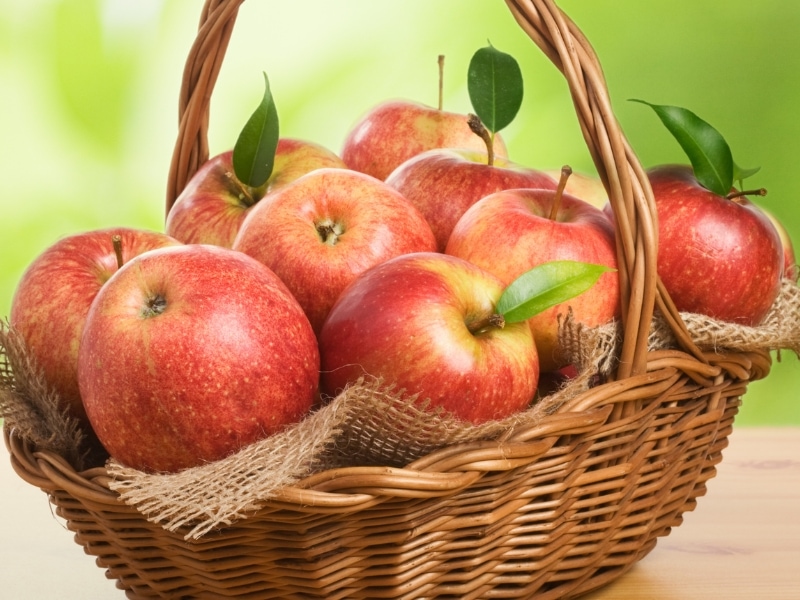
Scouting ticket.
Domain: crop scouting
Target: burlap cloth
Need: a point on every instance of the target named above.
(369, 423)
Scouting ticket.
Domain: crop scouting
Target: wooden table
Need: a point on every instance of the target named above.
(741, 542)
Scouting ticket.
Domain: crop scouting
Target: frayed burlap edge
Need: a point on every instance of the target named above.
(30, 407)
(780, 329)
(369, 423)
(220, 493)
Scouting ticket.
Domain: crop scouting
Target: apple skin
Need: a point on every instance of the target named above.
(406, 321)
(375, 223)
(224, 359)
(213, 206)
(444, 183)
(395, 131)
(717, 257)
(789, 257)
(509, 232)
(54, 294)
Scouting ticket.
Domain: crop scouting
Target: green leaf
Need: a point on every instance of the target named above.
(740, 174)
(254, 152)
(707, 150)
(547, 285)
(494, 82)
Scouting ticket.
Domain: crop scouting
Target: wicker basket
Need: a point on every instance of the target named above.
(551, 511)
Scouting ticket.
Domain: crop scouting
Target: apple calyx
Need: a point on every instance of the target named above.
(737, 196)
(566, 171)
(495, 320)
(477, 127)
(154, 306)
(116, 241)
(329, 231)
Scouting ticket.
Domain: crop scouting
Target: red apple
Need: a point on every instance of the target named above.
(717, 256)
(789, 258)
(214, 203)
(421, 321)
(53, 297)
(395, 131)
(552, 381)
(326, 228)
(510, 232)
(190, 353)
(444, 183)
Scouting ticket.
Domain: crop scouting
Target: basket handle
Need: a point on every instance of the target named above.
(199, 77)
(617, 165)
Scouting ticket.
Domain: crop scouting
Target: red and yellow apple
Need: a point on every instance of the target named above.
(53, 297)
(423, 322)
(320, 232)
(510, 232)
(395, 131)
(214, 203)
(444, 183)
(192, 352)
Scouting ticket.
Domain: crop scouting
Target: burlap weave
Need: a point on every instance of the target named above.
(369, 423)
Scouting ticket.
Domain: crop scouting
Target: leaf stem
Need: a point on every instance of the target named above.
(116, 241)
(566, 171)
(480, 130)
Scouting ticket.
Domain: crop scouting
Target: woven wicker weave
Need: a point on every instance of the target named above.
(551, 511)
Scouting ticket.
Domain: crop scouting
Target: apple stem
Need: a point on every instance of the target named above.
(441, 81)
(494, 320)
(566, 171)
(116, 241)
(480, 130)
(737, 195)
(247, 195)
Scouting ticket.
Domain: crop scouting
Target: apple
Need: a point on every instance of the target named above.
(395, 131)
(587, 187)
(323, 230)
(718, 256)
(54, 294)
(444, 183)
(192, 352)
(552, 381)
(512, 231)
(789, 257)
(214, 203)
(424, 322)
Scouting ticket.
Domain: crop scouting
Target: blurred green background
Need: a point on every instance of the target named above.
(88, 99)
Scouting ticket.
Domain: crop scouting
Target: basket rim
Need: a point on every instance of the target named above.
(449, 468)
(443, 471)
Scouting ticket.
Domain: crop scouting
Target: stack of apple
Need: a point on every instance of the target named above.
(421, 255)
